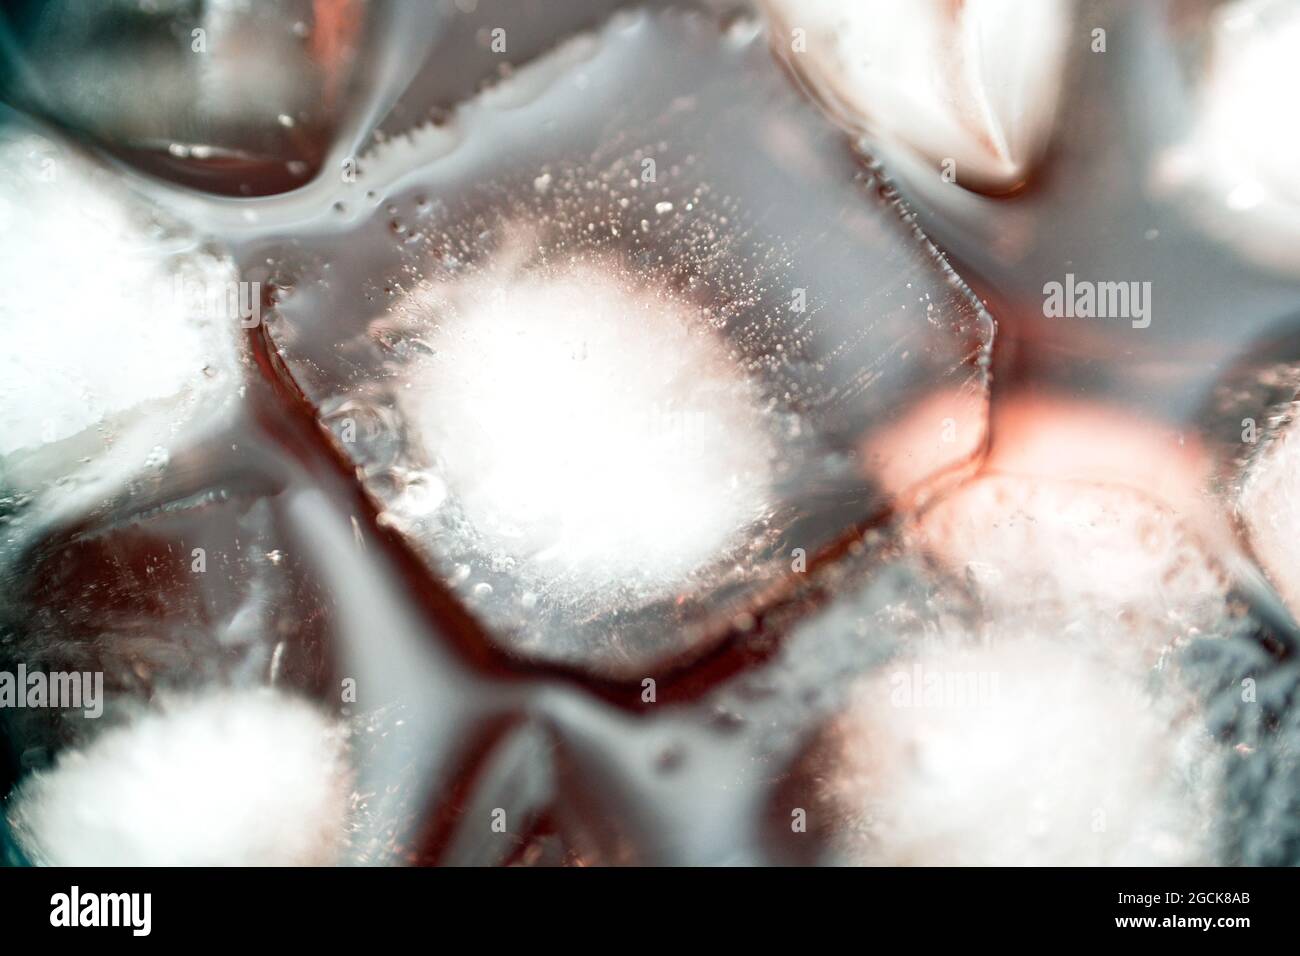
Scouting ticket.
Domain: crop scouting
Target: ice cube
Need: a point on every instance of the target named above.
(590, 432)
(184, 578)
(1088, 577)
(1093, 559)
(1106, 208)
(116, 326)
(223, 778)
(1072, 518)
(195, 91)
(617, 409)
(1269, 507)
(1235, 164)
(1029, 752)
(971, 87)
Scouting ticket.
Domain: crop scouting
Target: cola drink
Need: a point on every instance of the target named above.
(670, 433)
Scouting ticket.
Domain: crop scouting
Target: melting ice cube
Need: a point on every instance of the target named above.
(253, 778)
(1073, 518)
(971, 86)
(1269, 505)
(107, 306)
(236, 97)
(595, 434)
(1237, 161)
(1104, 561)
(611, 383)
(1024, 753)
(110, 315)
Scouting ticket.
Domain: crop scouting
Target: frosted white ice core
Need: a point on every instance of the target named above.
(1026, 753)
(592, 431)
(103, 307)
(249, 778)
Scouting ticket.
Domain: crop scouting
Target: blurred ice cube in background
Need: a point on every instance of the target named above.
(971, 87)
(1237, 164)
(232, 96)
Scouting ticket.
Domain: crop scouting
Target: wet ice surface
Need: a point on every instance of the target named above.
(1268, 504)
(1145, 201)
(112, 313)
(1257, 818)
(1087, 724)
(1133, 661)
(121, 357)
(639, 456)
(172, 580)
(1026, 753)
(788, 309)
(139, 536)
(236, 98)
(972, 88)
(1135, 567)
(1129, 507)
(1233, 157)
(255, 778)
